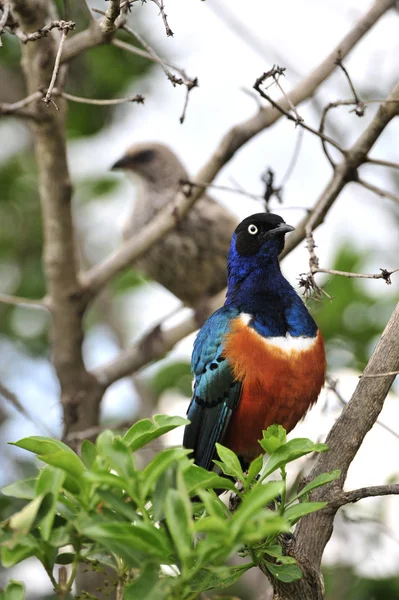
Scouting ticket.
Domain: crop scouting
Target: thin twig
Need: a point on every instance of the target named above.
(332, 385)
(13, 400)
(183, 80)
(359, 110)
(64, 32)
(92, 432)
(382, 163)
(137, 98)
(385, 274)
(43, 31)
(387, 374)
(107, 24)
(377, 190)
(27, 302)
(289, 116)
(4, 17)
(365, 492)
(161, 7)
(17, 108)
(276, 74)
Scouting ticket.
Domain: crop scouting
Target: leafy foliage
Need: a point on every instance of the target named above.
(162, 529)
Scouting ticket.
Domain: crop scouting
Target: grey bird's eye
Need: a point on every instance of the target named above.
(252, 229)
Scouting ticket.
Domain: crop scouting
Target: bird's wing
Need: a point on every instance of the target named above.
(216, 393)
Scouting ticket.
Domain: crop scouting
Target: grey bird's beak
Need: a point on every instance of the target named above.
(284, 228)
(122, 163)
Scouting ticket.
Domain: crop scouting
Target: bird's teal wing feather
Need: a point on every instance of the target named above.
(216, 393)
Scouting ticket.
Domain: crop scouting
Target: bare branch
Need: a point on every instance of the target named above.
(297, 119)
(27, 302)
(13, 400)
(153, 345)
(16, 109)
(313, 531)
(366, 492)
(75, 437)
(111, 102)
(380, 192)
(382, 163)
(345, 171)
(359, 110)
(332, 385)
(80, 392)
(388, 374)
(107, 24)
(64, 32)
(161, 7)
(4, 17)
(310, 286)
(43, 31)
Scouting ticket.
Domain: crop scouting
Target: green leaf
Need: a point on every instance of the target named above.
(10, 556)
(50, 480)
(295, 512)
(196, 478)
(88, 451)
(59, 537)
(290, 451)
(318, 481)
(119, 503)
(147, 586)
(257, 498)
(179, 519)
(117, 454)
(229, 464)
(134, 543)
(285, 573)
(162, 461)
(27, 518)
(65, 558)
(25, 488)
(15, 591)
(213, 505)
(254, 469)
(42, 445)
(217, 577)
(144, 431)
(165, 482)
(109, 479)
(70, 463)
(273, 437)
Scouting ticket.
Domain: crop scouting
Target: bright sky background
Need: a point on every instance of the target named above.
(296, 35)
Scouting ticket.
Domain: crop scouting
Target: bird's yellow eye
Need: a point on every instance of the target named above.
(252, 229)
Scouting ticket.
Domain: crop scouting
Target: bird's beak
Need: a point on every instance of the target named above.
(284, 228)
(122, 163)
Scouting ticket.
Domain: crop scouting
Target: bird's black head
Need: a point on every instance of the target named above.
(259, 229)
(253, 256)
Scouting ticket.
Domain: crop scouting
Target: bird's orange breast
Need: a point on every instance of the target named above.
(281, 378)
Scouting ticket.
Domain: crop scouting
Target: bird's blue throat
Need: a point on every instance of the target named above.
(256, 286)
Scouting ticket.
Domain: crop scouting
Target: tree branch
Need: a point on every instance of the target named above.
(95, 279)
(27, 302)
(80, 392)
(345, 171)
(344, 441)
(366, 492)
(380, 192)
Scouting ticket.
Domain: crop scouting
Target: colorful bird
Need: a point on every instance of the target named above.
(259, 359)
(191, 260)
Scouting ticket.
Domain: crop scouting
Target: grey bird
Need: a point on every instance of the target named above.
(190, 261)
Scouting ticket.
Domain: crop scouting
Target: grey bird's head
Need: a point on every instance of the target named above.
(155, 163)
